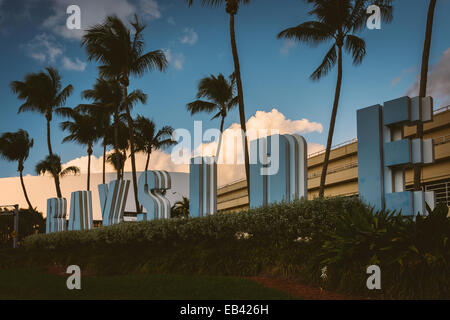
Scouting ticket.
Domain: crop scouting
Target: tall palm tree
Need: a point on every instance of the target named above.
(52, 165)
(119, 156)
(121, 52)
(107, 97)
(43, 94)
(147, 139)
(423, 81)
(232, 7)
(15, 146)
(83, 130)
(220, 93)
(337, 21)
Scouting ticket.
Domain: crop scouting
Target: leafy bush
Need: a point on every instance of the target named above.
(323, 242)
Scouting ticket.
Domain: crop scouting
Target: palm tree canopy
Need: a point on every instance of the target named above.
(148, 139)
(15, 146)
(121, 50)
(337, 21)
(83, 128)
(112, 159)
(123, 138)
(45, 166)
(42, 92)
(220, 94)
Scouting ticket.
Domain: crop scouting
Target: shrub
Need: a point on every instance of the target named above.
(323, 242)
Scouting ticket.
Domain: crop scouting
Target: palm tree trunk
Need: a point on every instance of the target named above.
(104, 159)
(50, 152)
(219, 145)
(423, 82)
(133, 159)
(237, 72)
(332, 124)
(89, 168)
(116, 142)
(25, 191)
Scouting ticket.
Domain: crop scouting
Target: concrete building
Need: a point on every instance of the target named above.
(342, 174)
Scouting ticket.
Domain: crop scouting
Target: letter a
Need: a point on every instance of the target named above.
(74, 20)
(74, 281)
(374, 21)
(374, 281)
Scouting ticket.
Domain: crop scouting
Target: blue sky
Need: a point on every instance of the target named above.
(275, 72)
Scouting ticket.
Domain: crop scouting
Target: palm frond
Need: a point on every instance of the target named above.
(328, 62)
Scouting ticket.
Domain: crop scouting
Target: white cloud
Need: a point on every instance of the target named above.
(76, 65)
(149, 8)
(190, 37)
(159, 160)
(227, 173)
(438, 85)
(94, 12)
(287, 45)
(43, 48)
(175, 59)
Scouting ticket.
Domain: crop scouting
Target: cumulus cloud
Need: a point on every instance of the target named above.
(438, 85)
(175, 59)
(227, 173)
(94, 12)
(190, 37)
(76, 65)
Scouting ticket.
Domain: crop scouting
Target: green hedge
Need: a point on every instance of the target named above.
(293, 240)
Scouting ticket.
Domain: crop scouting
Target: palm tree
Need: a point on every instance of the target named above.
(83, 130)
(337, 21)
(53, 166)
(117, 160)
(181, 208)
(107, 97)
(121, 52)
(42, 93)
(232, 7)
(423, 82)
(119, 156)
(219, 91)
(147, 139)
(15, 146)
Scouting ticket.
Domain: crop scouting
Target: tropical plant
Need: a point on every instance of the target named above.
(231, 8)
(107, 97)
(54, 167)
(121, 53)
(220, 95)
(83, 129)
(180, 209)
(423, 82)
(147, 139)
(338, 21)
(121, 146)
(43, 94)
(15, 146)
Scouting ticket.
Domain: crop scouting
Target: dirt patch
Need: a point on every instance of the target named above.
(299, 290)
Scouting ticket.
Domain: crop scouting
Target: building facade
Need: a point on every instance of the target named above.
(342, 174)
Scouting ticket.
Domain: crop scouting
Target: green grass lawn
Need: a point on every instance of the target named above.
(36, 284)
